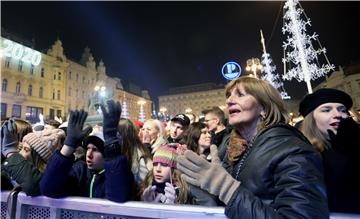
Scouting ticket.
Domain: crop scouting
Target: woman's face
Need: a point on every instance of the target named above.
(150, 128)
(243, 108)
(204, 139)
(328, 115)
(162, 172)
(25, 151)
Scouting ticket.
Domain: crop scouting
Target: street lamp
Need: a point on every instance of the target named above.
(163, 110)
(253, 65)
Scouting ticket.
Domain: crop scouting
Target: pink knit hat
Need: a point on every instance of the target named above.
(44, 142)
(166, 154)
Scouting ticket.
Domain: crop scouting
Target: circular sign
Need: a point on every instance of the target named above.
(231, 70)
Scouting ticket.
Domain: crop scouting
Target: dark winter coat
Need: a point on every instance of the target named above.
(281, 177)
(341, 172)
(24, 173)
(64, 178)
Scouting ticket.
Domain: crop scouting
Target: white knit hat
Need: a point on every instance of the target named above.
(44, 142)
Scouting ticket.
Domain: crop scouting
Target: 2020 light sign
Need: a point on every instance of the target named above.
(18, 51)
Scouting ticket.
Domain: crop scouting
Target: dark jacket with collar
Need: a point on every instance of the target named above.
(281, 176)
(23, 172)
(64, 178)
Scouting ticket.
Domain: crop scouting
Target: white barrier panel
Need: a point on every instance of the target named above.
(78, 207)
(4, 207)
(42, 207)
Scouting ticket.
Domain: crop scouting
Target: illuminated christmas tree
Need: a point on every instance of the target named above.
(298, 46)
(142, 113)
(124, 110)
(268, 71)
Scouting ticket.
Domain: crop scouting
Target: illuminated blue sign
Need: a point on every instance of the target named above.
(17, 51)
(231, 70)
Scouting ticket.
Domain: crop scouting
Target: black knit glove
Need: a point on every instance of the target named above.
(111, 118)
(346, 139)
(75, 132)
(9, 139)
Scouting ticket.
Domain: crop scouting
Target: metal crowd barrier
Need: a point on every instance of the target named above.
(19, 206)
(42, 207)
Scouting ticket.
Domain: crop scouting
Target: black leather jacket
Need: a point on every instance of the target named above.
(281, 176)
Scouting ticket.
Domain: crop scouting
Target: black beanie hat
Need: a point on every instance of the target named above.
(96, 137)
(321, 96)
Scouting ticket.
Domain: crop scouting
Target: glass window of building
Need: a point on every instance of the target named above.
(69, 92)
(32, 113)
(7, 62)
(52, 114)
(42, 72)
(17, 89)
(16, 111)
(3, 111)
(30, 90)
(41, 92)
(32, 69)
(70, 75)
(4, 85)
(20, 66)
(58, 113)
(59, 76)
(58, 95)
(53, 96)
(54, 77)
(77, 77)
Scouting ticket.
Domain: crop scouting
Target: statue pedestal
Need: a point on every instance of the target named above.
(93, 120)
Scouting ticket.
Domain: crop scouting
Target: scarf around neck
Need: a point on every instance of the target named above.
(236, 147)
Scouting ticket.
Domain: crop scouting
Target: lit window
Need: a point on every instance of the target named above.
(42, 72)
(32, 69)
(41, 92)
(4, 85)
(18, 86)
(7, 62)
(30, 90)
(20, 66)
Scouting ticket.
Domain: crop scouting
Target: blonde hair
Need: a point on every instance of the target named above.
(266, 95)
(313, 133)
(184, 190)
(158, 125)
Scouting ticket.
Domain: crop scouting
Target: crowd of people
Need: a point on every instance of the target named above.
(252, 161)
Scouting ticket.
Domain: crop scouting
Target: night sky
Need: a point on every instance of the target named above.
(159, 45)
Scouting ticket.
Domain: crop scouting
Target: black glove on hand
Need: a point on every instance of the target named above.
(347, 136)
(75, 132)
(9, 139)
(111, 118)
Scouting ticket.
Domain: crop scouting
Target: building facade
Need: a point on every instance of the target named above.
(33, 82)
(347, 80)
(195, 99)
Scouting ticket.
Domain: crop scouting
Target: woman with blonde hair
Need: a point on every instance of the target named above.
(153, 134)
(270, 170)
(331, 130)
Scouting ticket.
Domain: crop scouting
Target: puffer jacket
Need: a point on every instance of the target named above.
(64, 178)
(281, 176)
(24, 173)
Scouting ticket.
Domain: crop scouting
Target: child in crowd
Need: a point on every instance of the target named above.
(164, 183)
